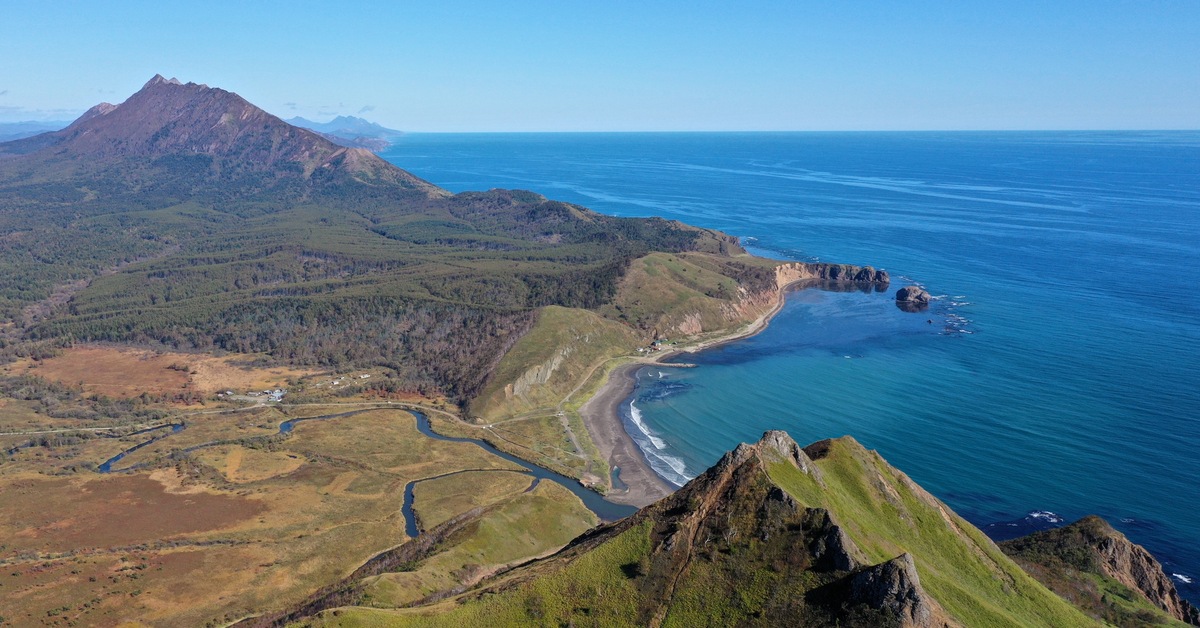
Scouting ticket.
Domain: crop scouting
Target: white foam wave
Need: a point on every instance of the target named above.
(1045, 515)
(670, 468)
(635, 415)
(1182, 578)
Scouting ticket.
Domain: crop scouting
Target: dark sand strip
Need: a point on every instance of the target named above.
(601, 415)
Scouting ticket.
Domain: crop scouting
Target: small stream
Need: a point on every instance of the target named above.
(106, 466)
(604, 509)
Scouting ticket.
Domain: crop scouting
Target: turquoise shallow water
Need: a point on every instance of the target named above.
(1061, 371)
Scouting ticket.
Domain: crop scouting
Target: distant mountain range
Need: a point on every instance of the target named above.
(17, 130)
(348, 131)
(351, 131)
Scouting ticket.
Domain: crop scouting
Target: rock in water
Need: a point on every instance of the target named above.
(912, 299)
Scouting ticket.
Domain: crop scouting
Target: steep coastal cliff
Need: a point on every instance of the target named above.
(1102, 571)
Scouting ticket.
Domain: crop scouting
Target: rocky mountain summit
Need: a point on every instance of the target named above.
(193, 131)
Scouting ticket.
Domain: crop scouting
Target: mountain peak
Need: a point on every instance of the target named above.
(161, 80)
(218, 135)
(101, 109)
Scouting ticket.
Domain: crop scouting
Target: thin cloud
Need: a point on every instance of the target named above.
(3, 92)
(291, 105)
(366, 109)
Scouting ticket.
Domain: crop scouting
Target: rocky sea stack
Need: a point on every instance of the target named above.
(912, 299)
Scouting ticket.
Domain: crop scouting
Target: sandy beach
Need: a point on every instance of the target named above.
(601, 415)
(603, 420)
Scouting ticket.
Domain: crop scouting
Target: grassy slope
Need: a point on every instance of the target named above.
(568, 353)
(516, 527)
(886, 514)
(574, 340)
(595, 581)
(545, 373)
(663, 291)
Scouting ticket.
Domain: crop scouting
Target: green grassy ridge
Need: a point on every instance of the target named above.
(736, 570)
(661, 290)
(886, 514)
(593, 590)
(514, 528)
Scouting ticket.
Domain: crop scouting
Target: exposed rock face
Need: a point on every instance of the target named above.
(1091, 545)
(893, 587)
(912, 294)
(833, 273)
(1131, 565)
(912, 299)
(537, 375)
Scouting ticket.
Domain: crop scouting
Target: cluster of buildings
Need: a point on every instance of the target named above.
(271, 395)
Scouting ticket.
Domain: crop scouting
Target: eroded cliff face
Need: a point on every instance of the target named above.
(1060, 558)
(794, 272)
(1133, 566)
(749, 305)
(538, 374)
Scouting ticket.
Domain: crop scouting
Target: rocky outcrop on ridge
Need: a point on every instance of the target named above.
(733, 521)
(1058, 557)
(894, 587)
(795, 272)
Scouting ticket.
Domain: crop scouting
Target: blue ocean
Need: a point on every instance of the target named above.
(1056, 373)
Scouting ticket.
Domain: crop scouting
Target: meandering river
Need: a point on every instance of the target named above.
(604, 509)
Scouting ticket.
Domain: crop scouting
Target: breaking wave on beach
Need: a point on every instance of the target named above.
(635, 415)
(668, 467)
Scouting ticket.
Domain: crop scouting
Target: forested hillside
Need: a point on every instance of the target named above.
(189, 218)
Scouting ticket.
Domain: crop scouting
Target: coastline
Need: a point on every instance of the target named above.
(602, 416)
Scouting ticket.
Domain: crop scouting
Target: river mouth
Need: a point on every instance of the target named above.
(606, 510)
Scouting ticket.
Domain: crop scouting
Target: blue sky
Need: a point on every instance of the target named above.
(627, 66)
